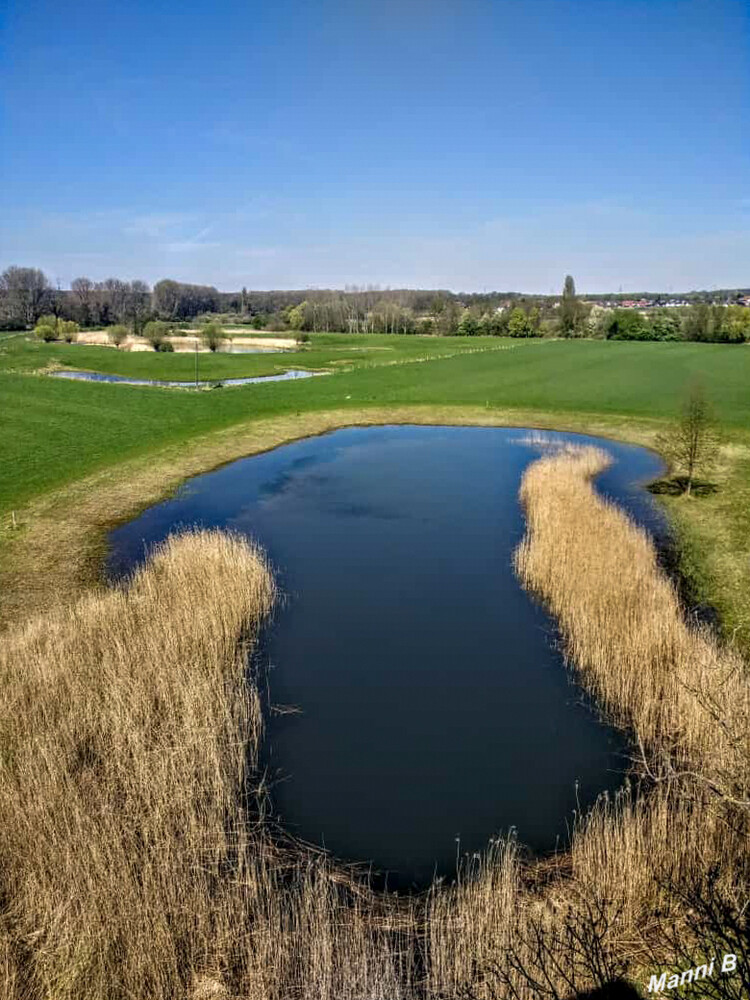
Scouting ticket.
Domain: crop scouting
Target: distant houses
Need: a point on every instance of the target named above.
(643, 303)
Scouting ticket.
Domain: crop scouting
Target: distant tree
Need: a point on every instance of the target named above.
(498, 323)
(24, 292)
(468, 325)
(665, 325)
(166, 299)
(738, 324)
(116, 294)
(626, 324)
(295, 316)
(118, 334)
(571, 310)
(519, 324)
(696, 321)
(155, 333)
(137, 304)
(176, 300)
(213, 336)
(690, 444)
(49, 319)
(68, 328)
(82, 291)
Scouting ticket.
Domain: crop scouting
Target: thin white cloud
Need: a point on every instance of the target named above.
(188, 246)
(156, 224)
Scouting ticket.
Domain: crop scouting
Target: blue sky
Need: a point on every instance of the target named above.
(464, 144)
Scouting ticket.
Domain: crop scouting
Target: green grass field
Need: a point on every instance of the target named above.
(326, 351)
(55, 431)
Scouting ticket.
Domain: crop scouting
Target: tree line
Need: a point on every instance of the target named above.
(26, 295)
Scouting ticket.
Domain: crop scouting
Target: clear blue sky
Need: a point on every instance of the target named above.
(462, 144)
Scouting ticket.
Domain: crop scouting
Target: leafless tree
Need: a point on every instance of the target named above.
(706, 916)
(690, 444)
(137, 304)
(24, 292)
(83, 295)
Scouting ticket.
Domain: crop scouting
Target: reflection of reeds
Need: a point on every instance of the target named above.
(134, 863)
(539, 439)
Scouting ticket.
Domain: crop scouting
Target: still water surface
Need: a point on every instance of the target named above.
(434, 704)
(127, 380)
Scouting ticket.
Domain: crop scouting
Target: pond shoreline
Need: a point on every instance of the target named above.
(58, 548)
(445, 937)
(58, 552)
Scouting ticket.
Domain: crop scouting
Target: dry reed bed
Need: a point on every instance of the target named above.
(132, 862)
(135, 863)
(686, 699)
(669, 681)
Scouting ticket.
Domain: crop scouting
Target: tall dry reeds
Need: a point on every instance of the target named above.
(515, 929)
(133, 864)
(685, 696)
(135, 861)
(124, 729)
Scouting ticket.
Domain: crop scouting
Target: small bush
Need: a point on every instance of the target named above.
(155, 333)
(118, 334)
(45, 332)
(69, 329)
(165, 347)
(213, 336)
(303, 338)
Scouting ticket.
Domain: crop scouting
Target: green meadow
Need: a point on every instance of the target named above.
(56, 430)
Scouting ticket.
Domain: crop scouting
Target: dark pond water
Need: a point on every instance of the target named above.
(100, 377)
(434, 704)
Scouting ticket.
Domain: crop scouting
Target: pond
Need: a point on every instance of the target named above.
(435, 710)
(126, 380)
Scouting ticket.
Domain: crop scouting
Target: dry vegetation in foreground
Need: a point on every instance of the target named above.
(136, 863)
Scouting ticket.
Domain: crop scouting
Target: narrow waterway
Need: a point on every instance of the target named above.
(127, 380)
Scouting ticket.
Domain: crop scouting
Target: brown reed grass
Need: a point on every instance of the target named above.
(677, 689)
(133, 862)
(683, 693)
(136, 863)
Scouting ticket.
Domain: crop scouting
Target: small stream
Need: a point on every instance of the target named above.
(127, 380)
